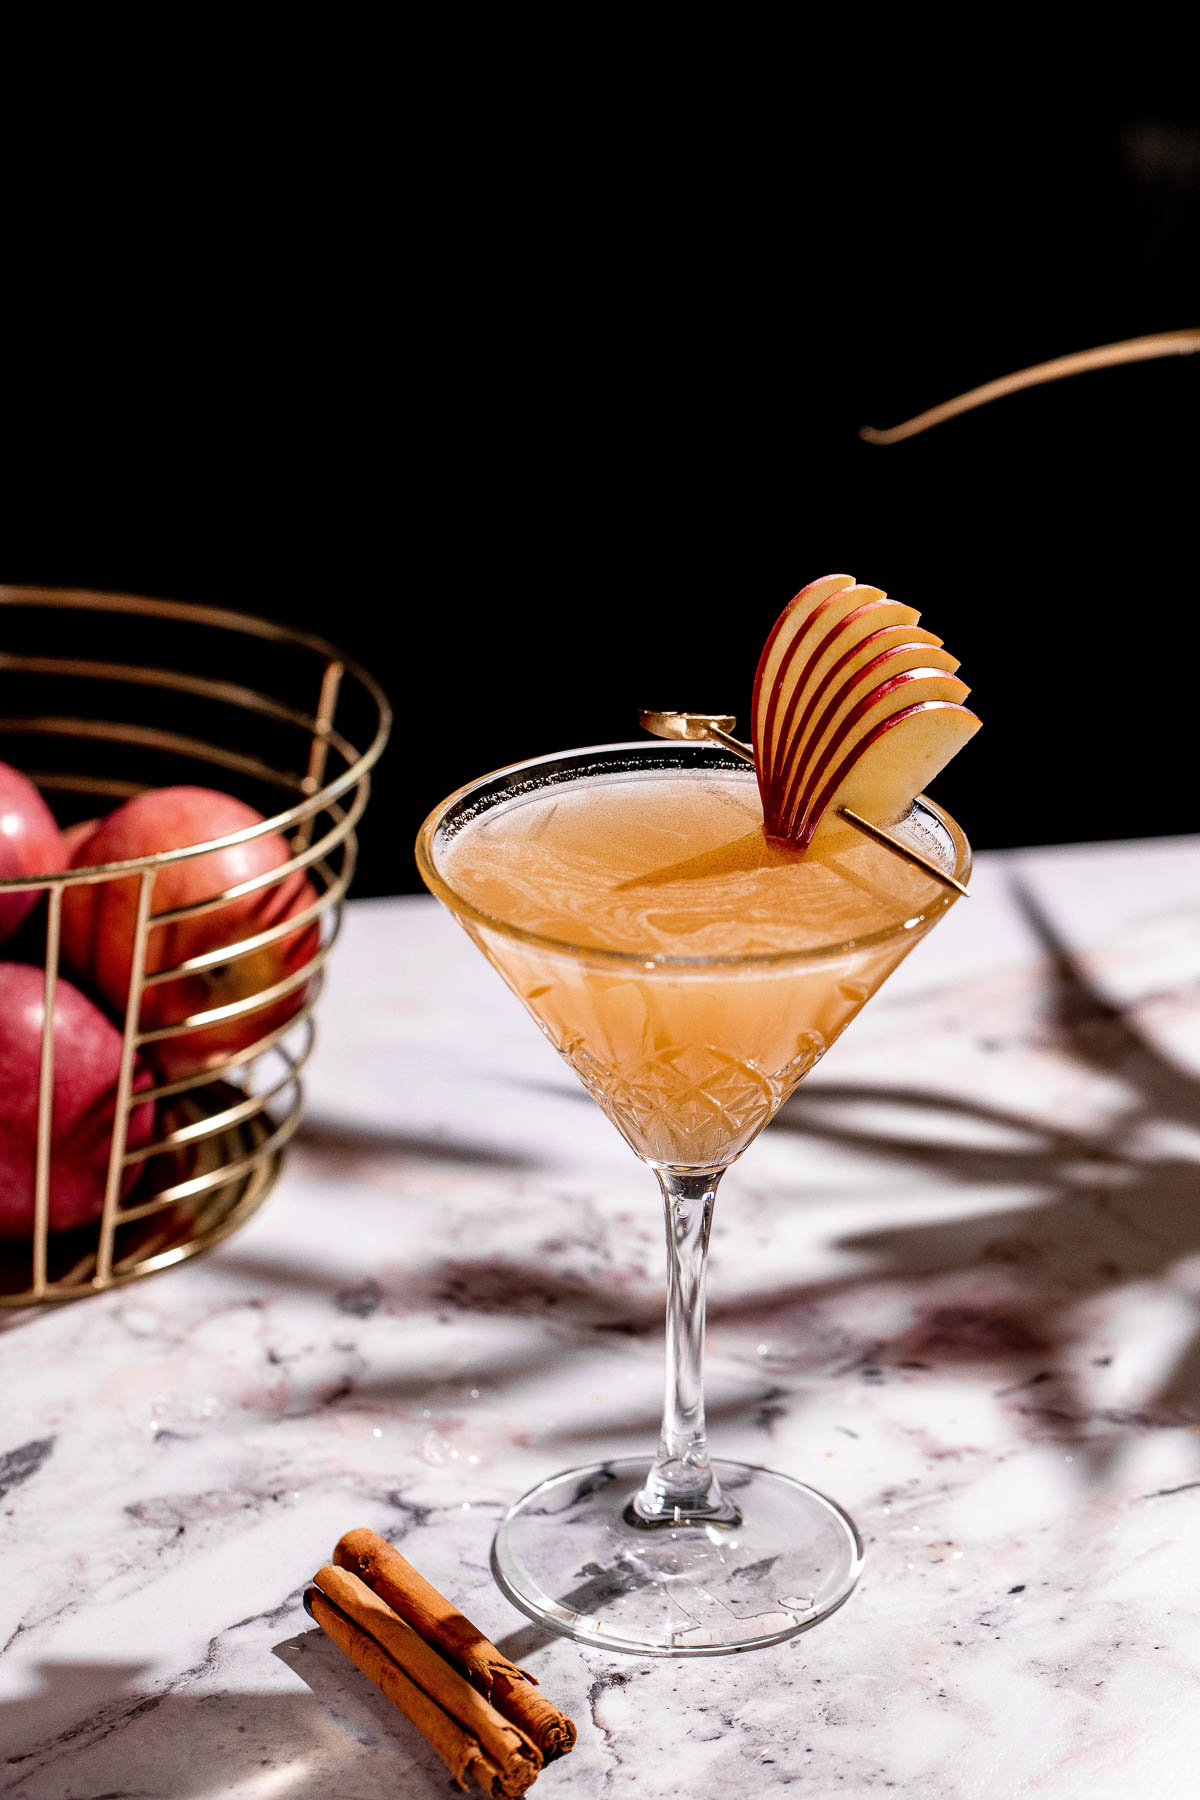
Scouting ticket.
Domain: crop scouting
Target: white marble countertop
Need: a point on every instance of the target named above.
(956, 1284)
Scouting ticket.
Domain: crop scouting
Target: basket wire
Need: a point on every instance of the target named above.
(208, 1172)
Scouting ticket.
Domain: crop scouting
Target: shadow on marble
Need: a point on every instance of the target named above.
(339, 1740)
(493, 1285)
(1109, 1217)
(336, 1684)
(338, 1140)
(522, 1644)
(19, 1316)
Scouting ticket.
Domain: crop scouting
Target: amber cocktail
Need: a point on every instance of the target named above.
(691, 972)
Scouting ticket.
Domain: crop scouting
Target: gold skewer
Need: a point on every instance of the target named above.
(912, 856)
(1106, 356)
(717, 728)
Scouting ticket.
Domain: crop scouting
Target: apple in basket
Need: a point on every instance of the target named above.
(99, 924)
(87, 1061)
(30, 844)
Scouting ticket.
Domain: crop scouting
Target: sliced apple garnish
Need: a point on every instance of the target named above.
(847, 609)
(882, 776)
(841, 662)
(869, 710)
(864, 670)
(831, 632)
(820, 600)
(791, 620)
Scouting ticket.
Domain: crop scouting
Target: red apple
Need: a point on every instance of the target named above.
(74, 837)
(87, 1058)
(30, 844)
(99, 923)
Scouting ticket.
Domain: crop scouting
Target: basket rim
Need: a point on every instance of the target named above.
(250, 625)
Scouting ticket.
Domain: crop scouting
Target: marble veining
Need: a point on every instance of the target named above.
(956, 1284)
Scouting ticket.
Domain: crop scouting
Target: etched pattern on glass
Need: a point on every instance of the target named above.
(690, 1105)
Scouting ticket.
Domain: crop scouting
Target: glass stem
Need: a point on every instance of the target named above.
(681, 1487)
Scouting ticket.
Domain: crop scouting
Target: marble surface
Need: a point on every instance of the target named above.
(956, 1284)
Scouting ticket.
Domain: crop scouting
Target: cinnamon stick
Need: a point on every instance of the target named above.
(512, 1691)
(507, 1748)
(461, 1754)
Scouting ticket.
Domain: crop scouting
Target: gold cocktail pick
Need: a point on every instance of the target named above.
(717, 728)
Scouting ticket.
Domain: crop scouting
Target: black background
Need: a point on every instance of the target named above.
(544, 411)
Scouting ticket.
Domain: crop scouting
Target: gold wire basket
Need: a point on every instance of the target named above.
(159, 693)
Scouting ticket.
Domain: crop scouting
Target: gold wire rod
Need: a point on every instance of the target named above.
(82, 599)
(200, 1212)
(719, 735)
(150, 737)
(129, 1047)
(318, 749)
(228, 1172)
(202, 1129)
(45, 1112)
(236, 1059)
(349, 863)
(229, 693)
(184, 612)
(79, 1272)
(146, 606)
(144, 1209)
(128, 1268)
(278, 823)
(1106, 356)
(710, 727)
(218, 1196)
(85, 784)
(99, 872)
(76, 1282)
(341, 830)
(160, 1226)
(227, 953)
(88, 600)
(236, 1009)
(901, 849)
(207, 1160)
(177, 1252)
(213, 1125)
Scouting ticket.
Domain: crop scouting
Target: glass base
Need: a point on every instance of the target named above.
(567, 1556)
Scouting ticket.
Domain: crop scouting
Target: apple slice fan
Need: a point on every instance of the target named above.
(856, 708)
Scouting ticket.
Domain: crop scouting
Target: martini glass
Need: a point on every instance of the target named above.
(689, 1055)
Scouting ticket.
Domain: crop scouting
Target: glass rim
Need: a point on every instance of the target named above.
(647, 961)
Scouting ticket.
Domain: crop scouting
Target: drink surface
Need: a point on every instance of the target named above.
(688, 1058)
(674, 862)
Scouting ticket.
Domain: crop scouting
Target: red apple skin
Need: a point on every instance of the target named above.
(74, 837)
(871, 678)
(793, 728)
(30, 844)
(902, 690)
(845, 770)
(87, 1060)
(99, 922)
(763, 705)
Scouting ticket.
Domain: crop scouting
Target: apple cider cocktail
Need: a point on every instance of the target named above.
(691, 939)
